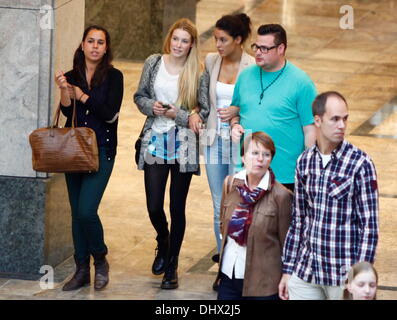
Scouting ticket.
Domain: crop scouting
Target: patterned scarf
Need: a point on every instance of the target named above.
(242, 216)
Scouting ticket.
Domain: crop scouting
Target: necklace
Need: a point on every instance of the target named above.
(275, 79)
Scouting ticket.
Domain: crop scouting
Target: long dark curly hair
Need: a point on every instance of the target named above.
(79, 66)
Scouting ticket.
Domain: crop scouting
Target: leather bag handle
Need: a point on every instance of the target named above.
(55, 120)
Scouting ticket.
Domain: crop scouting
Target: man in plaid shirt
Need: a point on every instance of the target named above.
(335, 210)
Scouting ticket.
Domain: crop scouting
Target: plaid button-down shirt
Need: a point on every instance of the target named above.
(335, 215)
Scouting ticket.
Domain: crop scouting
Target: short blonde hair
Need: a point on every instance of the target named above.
(189, 78)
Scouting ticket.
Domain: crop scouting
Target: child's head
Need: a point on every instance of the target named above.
(362, 282)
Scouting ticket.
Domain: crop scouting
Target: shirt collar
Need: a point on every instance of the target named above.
(337, 152)
(263, 184)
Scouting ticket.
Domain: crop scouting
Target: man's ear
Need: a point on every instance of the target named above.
(281, 49)
(317, 121)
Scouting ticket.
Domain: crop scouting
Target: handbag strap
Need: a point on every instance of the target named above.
(55, 120)
(143, 127)
(230, 180)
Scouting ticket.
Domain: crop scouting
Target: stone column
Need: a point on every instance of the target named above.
(37, 37)
(137, 28)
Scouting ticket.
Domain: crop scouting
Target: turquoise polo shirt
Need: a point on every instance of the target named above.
(285, 109)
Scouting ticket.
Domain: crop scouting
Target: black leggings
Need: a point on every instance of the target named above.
(156, 176)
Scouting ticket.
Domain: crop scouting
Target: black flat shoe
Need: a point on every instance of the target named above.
(215, 285)
(170, 282)
(215, 258)
(170, 279)
(160, 261)
(159, 264)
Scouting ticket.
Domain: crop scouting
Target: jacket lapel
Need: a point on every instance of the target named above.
(214, 78)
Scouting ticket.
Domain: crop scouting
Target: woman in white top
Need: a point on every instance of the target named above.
(222, 70)
(167, 94)
(255, 217)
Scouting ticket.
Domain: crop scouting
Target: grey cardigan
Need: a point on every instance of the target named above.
(145, 97)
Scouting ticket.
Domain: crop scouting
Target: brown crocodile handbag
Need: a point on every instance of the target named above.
(68, 150)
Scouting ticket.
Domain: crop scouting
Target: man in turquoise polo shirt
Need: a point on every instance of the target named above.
(275, 96)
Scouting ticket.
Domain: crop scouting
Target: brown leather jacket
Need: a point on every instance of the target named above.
(270, 223)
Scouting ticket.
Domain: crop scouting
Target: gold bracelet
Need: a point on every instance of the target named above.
(192, 112)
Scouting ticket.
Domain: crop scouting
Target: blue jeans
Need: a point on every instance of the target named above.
(218, 164)
(232, 289)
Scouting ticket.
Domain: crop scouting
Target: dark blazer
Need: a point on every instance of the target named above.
(101, 110)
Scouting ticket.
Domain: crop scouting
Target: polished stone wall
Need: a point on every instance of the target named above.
(24, 53)
(37, 37)
(35, 230)
(137, 27)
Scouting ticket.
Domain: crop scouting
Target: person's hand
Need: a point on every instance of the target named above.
(195, 123)
(71, 91)
(237, 131)
(61, 80)
(171, 112)
(158, 109)
(283, 287)
(226, 114)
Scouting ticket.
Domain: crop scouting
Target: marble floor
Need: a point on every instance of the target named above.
(361, 63)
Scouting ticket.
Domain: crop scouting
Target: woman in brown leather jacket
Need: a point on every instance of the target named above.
(255, 217)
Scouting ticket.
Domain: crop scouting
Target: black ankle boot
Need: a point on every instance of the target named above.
(101, 270)
(170, 279)
(81, 277)
(160, 261)
(215, 285)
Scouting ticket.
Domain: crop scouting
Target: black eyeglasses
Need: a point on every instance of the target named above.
(263, 49)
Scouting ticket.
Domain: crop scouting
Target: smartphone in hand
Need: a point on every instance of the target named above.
(167, 106)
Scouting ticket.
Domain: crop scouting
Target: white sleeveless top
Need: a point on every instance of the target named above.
(166, 90)
(224, 96)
